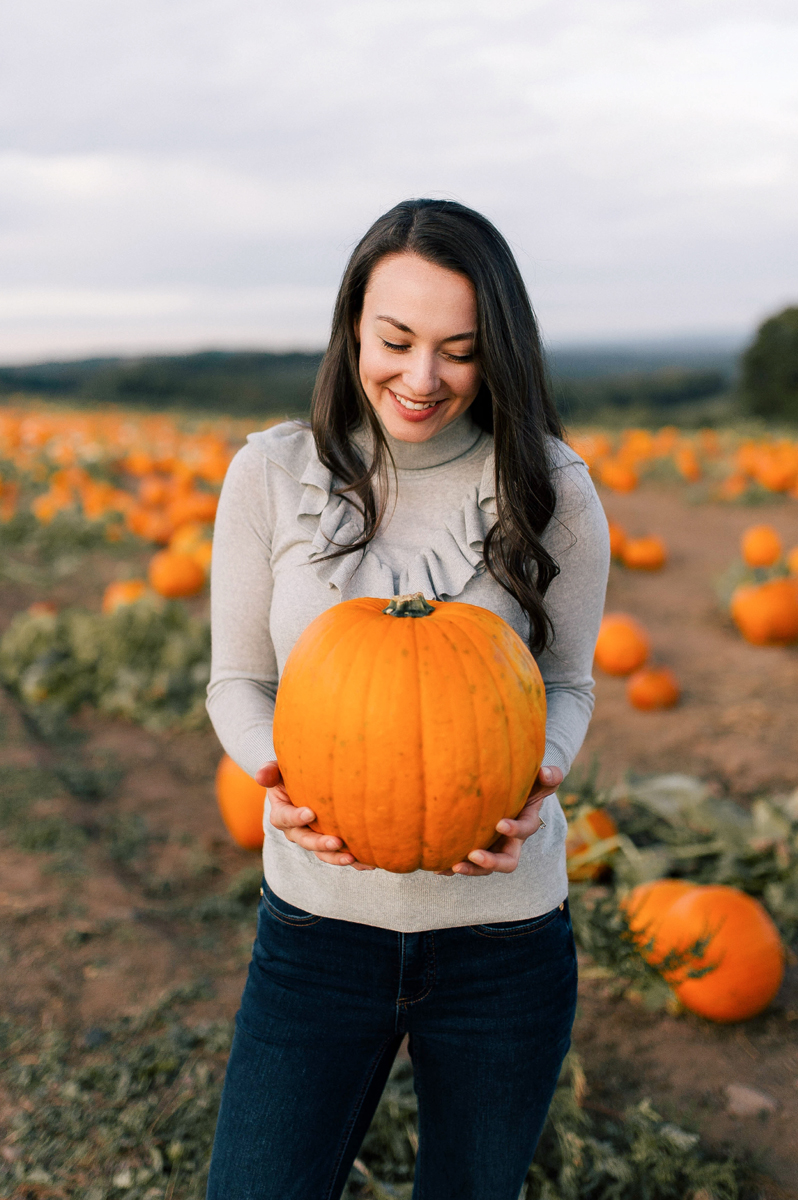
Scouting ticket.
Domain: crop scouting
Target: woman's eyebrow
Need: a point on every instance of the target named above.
(456, 337)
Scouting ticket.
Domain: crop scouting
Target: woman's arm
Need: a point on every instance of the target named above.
(244, 675)
(578, 539)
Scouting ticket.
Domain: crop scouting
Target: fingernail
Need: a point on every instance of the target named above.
(306, 815)
(332, 844)
(546, 774)
(477, 857)
(460, 870)
(504, 827)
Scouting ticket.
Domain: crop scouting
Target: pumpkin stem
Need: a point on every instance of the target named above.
(409, 606)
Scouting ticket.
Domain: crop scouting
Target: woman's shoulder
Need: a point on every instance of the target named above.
(289, 444)
(562, 455)
(576, 493)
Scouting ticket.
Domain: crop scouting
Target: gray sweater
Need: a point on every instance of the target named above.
(270, 579)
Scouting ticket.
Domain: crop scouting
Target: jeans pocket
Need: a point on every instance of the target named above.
(511, 929)
(274, 906)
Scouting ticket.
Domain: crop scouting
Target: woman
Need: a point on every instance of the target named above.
(434, 464)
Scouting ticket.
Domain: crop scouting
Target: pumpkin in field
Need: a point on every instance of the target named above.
(241, 801)
(410, 728)
(651, 688)
(587, 829)
(175, 575)
(767, 613)
(761, 546)
(622, 644)
(743, 950)
(618, 476)
(126, 591)
(644, 553)
(646, 907)
(617, 539)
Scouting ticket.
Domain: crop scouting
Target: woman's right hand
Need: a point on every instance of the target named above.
(294, 823)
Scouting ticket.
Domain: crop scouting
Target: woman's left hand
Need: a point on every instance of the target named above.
(505, 852)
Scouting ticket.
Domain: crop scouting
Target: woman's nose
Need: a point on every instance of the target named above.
(421, 374)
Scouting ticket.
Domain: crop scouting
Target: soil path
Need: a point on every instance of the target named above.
(738, 719)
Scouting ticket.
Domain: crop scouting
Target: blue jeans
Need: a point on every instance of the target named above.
(488, 1008)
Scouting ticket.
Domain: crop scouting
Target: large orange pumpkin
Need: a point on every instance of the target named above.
(767, 613)
(175, 575)
(744, 951)
(622, 644)
(410, 728)
(241, 801)
(761, 546)
(646, 907)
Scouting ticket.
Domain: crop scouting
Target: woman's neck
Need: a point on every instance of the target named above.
(455, 439)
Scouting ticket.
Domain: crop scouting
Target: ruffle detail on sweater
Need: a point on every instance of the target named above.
(453, 556)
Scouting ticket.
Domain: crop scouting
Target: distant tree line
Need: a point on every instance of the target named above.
(661, 390)
(660, 385)
(238, 383)
(769, 375)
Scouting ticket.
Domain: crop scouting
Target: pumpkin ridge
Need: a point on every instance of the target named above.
(445, 634)
(484, 660)
(336, 648)
(375, 652)
(364, 647)
(516, 771)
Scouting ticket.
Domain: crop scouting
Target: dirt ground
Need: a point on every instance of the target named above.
(95, 930)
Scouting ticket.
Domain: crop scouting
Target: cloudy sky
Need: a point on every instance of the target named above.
(177, 174)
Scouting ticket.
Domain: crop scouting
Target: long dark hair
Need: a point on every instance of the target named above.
(513, 402)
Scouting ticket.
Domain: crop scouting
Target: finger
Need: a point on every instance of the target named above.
(486, 861)
(284, 816)
(527, 823)
(318, 843)
(359, 866)
(269, 774)
(336, 860)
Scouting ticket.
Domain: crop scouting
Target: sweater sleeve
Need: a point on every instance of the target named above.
(244, 674)
(578, 539)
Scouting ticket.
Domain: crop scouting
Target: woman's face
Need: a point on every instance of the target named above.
(416, 335)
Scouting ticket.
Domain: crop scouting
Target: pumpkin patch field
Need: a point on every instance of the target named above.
(129, 864)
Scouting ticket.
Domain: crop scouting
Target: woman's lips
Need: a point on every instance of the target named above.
(414, 410)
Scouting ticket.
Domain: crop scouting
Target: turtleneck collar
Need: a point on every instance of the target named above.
(455, 439)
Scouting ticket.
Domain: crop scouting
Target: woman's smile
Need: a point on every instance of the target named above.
(414, 410)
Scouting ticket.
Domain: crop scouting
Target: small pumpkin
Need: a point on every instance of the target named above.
(744, 952)
(241, 801)
(410, 728)
(623, 644)
(767, 613)
(652, 687)
(585, 830)
(617, 539)
(618, 476)
(792, 560)
(760, 546)
(645, 553)
(175, 575)
(123, 592)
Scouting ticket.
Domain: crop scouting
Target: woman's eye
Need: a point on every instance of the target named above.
(393, 345)
(461, 358)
